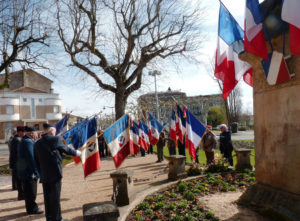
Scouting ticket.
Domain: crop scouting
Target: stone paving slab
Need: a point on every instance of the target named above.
(77, 191)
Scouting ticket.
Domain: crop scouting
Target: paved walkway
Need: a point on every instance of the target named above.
(77, 191)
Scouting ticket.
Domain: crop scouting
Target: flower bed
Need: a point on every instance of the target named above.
(182, 201)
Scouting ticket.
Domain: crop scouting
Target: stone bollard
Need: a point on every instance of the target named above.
(123, 186)
(102, 211)
(243, 159)
(176, 167)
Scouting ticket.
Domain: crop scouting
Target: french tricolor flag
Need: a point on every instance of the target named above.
(173, 135)
(117, 139)
(143, 135)
(180, 124)
(254, 36)
(85, 139)
(154, 129)
(228, 67)
(276, 69)
(194, 132)
(134, 138)
(291, 14)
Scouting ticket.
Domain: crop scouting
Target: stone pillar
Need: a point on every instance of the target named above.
(243, 159)
(122, 186)
(176, 167)
(102, 211)
(277, 140)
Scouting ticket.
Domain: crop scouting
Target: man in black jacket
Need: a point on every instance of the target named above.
(13, 158)
(226, 146)
(27, 170)
(48, 156)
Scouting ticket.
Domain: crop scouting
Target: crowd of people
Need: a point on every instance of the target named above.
(34, 158)
(208, 144)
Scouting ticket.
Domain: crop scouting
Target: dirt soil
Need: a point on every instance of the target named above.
(224, 206)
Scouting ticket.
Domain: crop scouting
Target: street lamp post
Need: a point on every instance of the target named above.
(154, 73)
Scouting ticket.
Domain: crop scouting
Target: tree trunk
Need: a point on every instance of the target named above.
(120, 103)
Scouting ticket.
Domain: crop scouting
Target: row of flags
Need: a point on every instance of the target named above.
(125, 137)
(232, 40)
(185, 124)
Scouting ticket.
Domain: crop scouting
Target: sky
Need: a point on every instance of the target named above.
(192, 79)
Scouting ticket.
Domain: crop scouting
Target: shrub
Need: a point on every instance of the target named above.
(143, 206)
(224, 187)
(176, 218)
(197, 213)
(173, 195)
(242, 183)
(182, 205)
(232, 188)
(251, 179)
(171, 207)
(209, 215)
(181, 187)
(240, 176)
(189, 195)
(159, 205)
(149, 211)
(188, 217)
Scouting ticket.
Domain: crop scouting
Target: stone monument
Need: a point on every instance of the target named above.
(277, 132)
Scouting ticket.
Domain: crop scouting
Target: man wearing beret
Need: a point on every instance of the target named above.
(48, 155)
(13, 158)
(27, 170)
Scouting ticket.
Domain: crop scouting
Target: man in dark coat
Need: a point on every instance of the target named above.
(226, 147)
(48, 155)
(13, 156)
(27, 170)
(160, 147)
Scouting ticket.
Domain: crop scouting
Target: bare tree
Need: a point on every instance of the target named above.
(234, 103)
(114, 40)
(22, 34)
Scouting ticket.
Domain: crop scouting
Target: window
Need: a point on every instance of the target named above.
(32, 107)
(24, 99)
(40, 100)
(9, 109)
(56, 109)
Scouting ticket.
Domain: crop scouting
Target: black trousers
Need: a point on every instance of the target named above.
(30, 189)
(52, 200)
(228, 156)
(14, 179)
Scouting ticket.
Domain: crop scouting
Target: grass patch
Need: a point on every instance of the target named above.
(4, 170)
(249, 144)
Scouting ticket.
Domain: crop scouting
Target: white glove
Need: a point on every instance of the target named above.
(78, 153)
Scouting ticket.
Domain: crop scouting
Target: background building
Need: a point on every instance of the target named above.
(198, 105)
(29, 100)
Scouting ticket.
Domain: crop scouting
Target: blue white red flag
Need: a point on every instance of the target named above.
(255, 42)
(85, 139)
(143, 135)
(67, 137)
(290, 13)
(180, 124)
(154, 129)
(117, 139)
(134, 138)
(194, 132)
(173, 135)
(276, 69)
(228, 67)
(62, 125)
